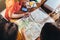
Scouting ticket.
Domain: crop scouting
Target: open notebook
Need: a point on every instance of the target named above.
(32, 23)
(52, 4)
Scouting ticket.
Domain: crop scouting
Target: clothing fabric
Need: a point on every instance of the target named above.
(12, 9)
(2, 20)
(8, 30)
(50, 32)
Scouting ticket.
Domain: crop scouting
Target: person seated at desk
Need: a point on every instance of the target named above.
(13, 9)
(50, 32)
(8, 31)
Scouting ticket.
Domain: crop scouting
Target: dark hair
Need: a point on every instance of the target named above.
(8, 31)
(50, 32)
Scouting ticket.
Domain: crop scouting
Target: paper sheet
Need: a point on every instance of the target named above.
(52, 4)
(33, 24)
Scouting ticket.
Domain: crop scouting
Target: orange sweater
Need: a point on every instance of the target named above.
(12, 9)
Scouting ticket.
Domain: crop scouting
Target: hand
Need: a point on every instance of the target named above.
(38, 38)
(23, 34)
(27, 14)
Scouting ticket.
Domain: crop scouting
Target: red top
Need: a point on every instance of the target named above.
(16, 7)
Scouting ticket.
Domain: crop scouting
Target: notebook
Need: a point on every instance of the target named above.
(34, 23)
(52, 4)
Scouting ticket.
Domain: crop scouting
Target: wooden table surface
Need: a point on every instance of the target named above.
(19, 36)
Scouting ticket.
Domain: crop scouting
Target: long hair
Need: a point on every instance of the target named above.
(50, 32)
(8, 31)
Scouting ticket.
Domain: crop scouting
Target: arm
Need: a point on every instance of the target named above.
(23, 34)
(19, 14)
(16, 15)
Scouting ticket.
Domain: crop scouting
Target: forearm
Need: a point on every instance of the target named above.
(16, 15)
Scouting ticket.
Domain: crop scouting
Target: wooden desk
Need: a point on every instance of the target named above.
(19, 36)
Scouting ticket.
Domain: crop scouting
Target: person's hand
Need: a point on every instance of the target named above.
(15, 16)
(27, 14)
(38, 38)
(23, 34)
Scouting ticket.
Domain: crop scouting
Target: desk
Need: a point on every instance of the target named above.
(19, 36)
(41, 15)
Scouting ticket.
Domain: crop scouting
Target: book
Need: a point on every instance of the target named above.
(32, 23)
(52, 4)
(32, 29)
(40, 16)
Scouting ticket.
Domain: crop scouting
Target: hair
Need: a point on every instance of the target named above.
(50, 32)
(8, 31)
